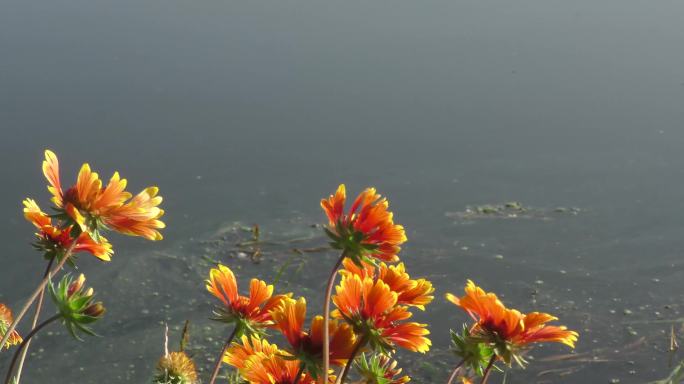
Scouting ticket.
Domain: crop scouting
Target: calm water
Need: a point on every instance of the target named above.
(249, 112)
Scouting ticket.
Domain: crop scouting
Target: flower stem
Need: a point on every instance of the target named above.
(326, 318)
(27, 339)
(352, 356)
(455, 372)
(488, 370)
(37, 292)
(299, 374)
(217, 366)
(39, 306)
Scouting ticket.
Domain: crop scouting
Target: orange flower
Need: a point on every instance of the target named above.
(260, 362)
(508, 330)
(416, 293)
(367, 230)
(250, 313)
(289, 319)
(94, 207)
(6, 320)
(54, 240)
(371, 307)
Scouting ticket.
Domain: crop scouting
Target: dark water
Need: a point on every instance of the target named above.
(250, 112)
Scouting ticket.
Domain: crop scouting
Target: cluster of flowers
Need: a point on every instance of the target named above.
(83, 212)
(374, 301)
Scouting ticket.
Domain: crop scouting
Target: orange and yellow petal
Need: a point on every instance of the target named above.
(222, 285)
(51, 172)
(101, 249)
(35, 215)
(259, 292)
(238, 354)
(411, 336)
(6, 320)
(334, 205)
(139, 216)
(289, 318)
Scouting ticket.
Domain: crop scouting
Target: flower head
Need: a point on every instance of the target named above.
(370, 306)
(250, 313)
(260, 362)
(6, 320)
(379, 369)
(54, 241)
(176, 368)
(410, 292)
(307, 346)
(508, 330)
(76, 305)
(94, 207)
(367, 230)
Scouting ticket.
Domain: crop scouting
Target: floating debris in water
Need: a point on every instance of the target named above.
(510, 210)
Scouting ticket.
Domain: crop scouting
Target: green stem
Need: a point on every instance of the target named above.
(326, 318)
(455, 372)
(39, 306)
(352, 356)
(217, 366)
(37, 292)
(488, 370)
(27, 339)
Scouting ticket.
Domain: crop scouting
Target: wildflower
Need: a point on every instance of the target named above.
(379, 369)
(507, 330)
(94, 207)
(54, 241)
(367, 230)
(416, 293)
(176, 368)
(6, 319)
(371, 307)
(249, 313)
(260, 362)
(289, 319)
(75, 305)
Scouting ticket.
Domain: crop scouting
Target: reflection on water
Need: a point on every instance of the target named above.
(251, 112)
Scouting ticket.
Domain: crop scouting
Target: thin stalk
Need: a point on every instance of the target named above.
(455, 372)
(299, 374)
(347, 367)
(27, 339)
(488, 370)
(326, 318)
(39, 306)
(37, 292)
(217, 366)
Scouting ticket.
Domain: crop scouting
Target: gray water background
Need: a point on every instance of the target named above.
(250, 112)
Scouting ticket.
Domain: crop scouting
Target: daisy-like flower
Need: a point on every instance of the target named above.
(379, 369)
(76, 305)
(176, 368)
(6, 319)
(415, 293)
(260, 362)
(249, 313)
(54, 241)
(95, 207)
(370, 306)
(507, 330)
(307, 346)
(367, 230)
